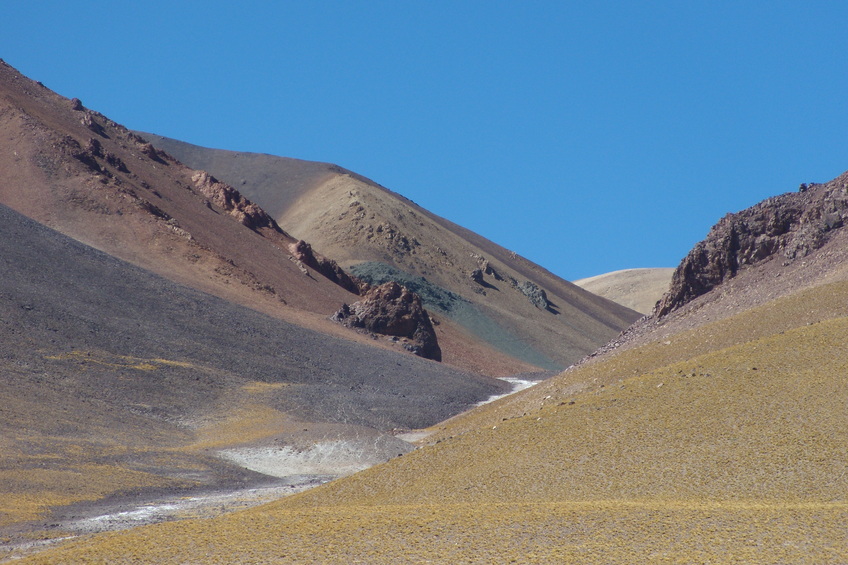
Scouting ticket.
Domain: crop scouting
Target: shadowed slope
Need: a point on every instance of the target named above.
(547, 321)
(143, 379)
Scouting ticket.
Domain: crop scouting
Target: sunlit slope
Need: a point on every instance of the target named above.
(368, 228)
(730, 448)
(638, 289)
(494, 295)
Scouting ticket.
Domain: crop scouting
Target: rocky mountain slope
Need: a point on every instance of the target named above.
(493, 295)
(88, 177)
(151, 316)
(637, 289)
(786, 228)
(116, 380)
(714, 432)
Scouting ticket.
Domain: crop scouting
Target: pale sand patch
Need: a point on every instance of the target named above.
(638, 289)
(335, 458)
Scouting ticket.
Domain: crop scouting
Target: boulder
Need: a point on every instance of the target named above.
(535, 294)
(391, 309)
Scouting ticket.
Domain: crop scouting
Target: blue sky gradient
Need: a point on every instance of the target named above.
(586, 136)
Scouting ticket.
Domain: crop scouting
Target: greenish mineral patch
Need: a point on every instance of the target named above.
(458, 309)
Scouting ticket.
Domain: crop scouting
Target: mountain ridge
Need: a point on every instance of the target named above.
(357, 221)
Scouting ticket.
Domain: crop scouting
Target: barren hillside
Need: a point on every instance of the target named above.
(494, 295)
(713, 433)
(88, 177)
(116, 380)
(119, 382)
(638, 289)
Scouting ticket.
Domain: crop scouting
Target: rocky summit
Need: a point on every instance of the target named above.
(784, 228)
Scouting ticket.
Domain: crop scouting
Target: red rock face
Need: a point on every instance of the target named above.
(229, 199)
(302, 252)
(392, 310)
(785, 228)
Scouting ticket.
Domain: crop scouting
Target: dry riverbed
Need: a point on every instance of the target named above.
(279, 471)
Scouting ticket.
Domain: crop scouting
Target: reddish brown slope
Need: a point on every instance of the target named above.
(82, 174)
(493, 295)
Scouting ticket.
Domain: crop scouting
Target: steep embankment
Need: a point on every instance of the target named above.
(724, 441)
(637, 289)
(496, 297)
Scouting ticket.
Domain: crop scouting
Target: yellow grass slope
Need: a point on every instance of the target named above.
(720, 447)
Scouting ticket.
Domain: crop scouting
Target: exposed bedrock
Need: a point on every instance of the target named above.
(785, 228)
(391, 309)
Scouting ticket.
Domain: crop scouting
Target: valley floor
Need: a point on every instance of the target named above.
(721, 444)
(277, 473)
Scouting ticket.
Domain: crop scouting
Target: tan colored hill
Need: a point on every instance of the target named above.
(492, 295)
(715, 433)
(637, 289)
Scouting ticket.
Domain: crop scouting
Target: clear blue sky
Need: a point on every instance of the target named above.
(586, 136)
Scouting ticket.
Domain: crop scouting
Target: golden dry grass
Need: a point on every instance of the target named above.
(599, 532)
(728, 446)
(29, 492)
(246, 418)
(60, 447)
(806, 307)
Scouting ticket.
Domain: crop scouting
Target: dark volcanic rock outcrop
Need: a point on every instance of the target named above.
(391, 309)
(536, 295)
(784, 228)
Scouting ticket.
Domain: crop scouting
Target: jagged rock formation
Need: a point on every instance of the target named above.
(393, 310)
(230, 200)
(303, 253)
(785, 228)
